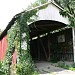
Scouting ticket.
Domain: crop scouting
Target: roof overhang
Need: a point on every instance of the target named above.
(17, 16)
(44, 26)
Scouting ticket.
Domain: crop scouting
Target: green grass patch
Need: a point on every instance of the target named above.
(65, 66)
(35, 73)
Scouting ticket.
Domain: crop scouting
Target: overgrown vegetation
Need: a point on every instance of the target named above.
(37, 3)
(19, 34)
(66, 66)
(1, 71)
(63, 65)
(68, 10)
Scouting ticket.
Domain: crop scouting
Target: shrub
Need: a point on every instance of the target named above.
(1, 71)
(63, 65)
(73, 65)
(55, 59)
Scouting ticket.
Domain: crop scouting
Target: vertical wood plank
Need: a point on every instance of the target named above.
(43, 47)
(38, 49)
(49, 46)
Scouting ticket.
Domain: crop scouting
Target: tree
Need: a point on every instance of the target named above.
(15, 38)
(37, 3)
(69, 9)
(67, 5)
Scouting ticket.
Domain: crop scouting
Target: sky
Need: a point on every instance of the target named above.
(9, 8)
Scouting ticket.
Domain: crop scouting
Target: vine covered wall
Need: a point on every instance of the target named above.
(18, 40)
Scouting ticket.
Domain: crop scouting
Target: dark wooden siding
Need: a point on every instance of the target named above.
(62, 50)
(58, 50)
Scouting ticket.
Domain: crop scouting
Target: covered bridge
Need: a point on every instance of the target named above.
(50, 35)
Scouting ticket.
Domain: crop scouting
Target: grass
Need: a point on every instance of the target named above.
(35, 73)
(65, 66)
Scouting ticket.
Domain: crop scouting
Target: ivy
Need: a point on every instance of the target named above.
(68, 10)
(25, 66)
(17, 35)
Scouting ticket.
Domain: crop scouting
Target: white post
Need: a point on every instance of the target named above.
(73, 34)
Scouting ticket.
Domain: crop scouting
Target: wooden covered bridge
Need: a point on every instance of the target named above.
(50, 36)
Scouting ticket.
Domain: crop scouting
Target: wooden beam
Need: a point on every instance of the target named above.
(38, 49)
(49, 46)
(42, 47)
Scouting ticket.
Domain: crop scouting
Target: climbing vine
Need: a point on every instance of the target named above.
(68, 10)
(70, 17)
(17, 36)
(18, 40)
(25, 66)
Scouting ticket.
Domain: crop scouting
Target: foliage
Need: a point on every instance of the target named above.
(19, 33)
(1, 71)
(65, 66)
(24, 64)
(35, 73)
(73, 65)
(37, 3)
(11, 47)
(68, 10)
(71, 68)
